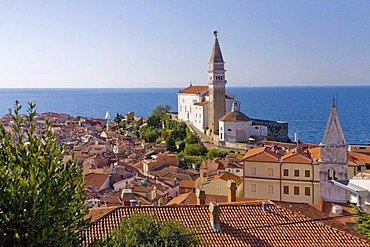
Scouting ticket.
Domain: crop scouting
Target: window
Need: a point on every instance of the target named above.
(296, 190)
(180, 107)
(271, 172)
(359, 168)
(229, 130)
(256, 128)
(237, 170)
(307, 191)
(286, 172)
(307, 173)
(253, 171)
(286, 190)
(218, 186)
(330, 176)
(296, 173)
(253, 188)
(270, 189)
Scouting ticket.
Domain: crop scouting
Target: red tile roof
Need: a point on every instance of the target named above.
(297, 158)
(241, 225)
(261, 154)
(202, 103)
(194, 89)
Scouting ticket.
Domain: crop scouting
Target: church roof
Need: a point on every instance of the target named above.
(235, 116)
(333, 134)
(194, 89)
(202, 103)
(216, 56)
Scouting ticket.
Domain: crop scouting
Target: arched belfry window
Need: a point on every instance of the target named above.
(330, 175)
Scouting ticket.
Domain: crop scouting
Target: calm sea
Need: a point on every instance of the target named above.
(306, 109)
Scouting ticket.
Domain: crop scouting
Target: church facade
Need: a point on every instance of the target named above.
(215, 112)
(203, 106)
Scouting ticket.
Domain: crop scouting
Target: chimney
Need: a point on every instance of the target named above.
(201, 197)
(214, 213)
(264, 207)
(133, 203)
(231, 194)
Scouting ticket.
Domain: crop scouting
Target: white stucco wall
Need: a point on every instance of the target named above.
(257, 131)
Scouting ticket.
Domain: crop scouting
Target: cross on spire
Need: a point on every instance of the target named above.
(215, 33)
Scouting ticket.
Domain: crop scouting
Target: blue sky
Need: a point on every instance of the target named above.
(168, 43)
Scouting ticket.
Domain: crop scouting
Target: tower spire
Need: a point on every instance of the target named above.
(333, 163)
(216, 85)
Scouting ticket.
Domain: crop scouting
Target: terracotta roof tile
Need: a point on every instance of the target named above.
(235, 116)
(241, 225)
(261, 154)
(194, 89)
(297, 158)
(95, 180)
(202, 103)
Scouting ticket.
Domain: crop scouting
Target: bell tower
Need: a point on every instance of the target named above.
(216, 86)
(333, 163)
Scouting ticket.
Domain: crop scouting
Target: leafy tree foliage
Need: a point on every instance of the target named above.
(363, 219)
(192, 139)
(159, 110)
(170, 144)
(146, 230)
(195, 149)
(118, 118)
(215, 153)
(149, 133)
(181, 146)
(154, 121)
(41, 199)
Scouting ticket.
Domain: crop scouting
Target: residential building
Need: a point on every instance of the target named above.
(304, 173)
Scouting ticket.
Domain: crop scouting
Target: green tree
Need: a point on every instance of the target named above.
(195, 149)
(118, 118)
(147, 230)
(191, 139)
(159, 110)
(181, 146)
(149, 133)
(154, 121)
(215, 153)
(42, 200)
(363, 219)
(170, 144)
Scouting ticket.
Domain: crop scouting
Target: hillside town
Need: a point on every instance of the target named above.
(261, 186)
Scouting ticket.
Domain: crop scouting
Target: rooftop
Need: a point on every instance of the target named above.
(242, 224)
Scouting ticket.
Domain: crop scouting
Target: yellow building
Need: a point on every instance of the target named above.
(303, 174)
(290, 177)
(217, 184)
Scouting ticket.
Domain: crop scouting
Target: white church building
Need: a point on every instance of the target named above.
(214, 111)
